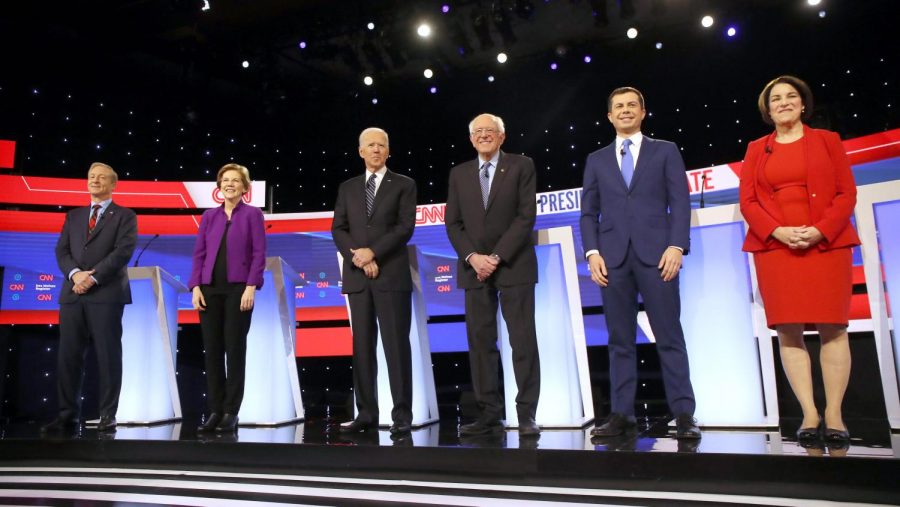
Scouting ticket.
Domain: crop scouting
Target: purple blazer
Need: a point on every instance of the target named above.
(246, 245)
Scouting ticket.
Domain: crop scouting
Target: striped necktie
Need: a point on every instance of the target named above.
(93, 221)
(485, 183)
(370, 195)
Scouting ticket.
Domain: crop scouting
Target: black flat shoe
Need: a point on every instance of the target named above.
(228, 424)
(211, 422)
(836, 436)
(811, 433)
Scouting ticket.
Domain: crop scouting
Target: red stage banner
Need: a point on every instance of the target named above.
(7, 154)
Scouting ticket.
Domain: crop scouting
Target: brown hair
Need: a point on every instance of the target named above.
(243, 171)
(806, 97)
(619, 91)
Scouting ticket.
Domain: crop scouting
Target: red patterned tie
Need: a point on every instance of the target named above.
(93, 221)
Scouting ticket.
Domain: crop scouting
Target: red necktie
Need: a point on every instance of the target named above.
(93, 221)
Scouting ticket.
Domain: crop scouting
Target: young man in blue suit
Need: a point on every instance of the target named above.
(635, 227)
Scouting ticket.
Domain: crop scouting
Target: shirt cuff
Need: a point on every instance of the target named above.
(72, 273)
(591, 252)
(467, 257)
(677, 248)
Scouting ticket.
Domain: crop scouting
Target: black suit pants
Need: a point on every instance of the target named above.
(224, 327)
(517, 306)
(391, 312)
(80, 325)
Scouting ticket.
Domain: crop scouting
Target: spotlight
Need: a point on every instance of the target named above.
(501, 57)
(490, 79)
(707, 21)
(821, 14)
(245, 64)
(368, 80)
(587, 58)
(428, 73)
(659, 45)
(433, 89)
(553, 66)
(424, 30)
(302, 44)
(813, 2)
(731, 32)
(370, 26)
(445, 8)
(375, 100)
(207, 7)
(631, 33)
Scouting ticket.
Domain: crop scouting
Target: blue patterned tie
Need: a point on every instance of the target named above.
(627, 162)
(485, 183)
(370, 195)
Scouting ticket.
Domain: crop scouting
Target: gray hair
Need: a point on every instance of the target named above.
(498, 121)
(115, 175)
(387, 141)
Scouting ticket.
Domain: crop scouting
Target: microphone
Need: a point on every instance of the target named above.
(144, 250)
(622, 150)
(768, 148)
(702, 188)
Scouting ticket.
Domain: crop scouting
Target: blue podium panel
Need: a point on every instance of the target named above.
(877, 220)
(565, 400)
(271, 384)
(717, 319)
(149, 391)
(424, 396)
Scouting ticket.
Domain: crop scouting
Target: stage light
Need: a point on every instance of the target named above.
(424, 30)
(245, 64)
(207, 7)
(433, 89)
(553, 66)
(490, 79)
(632, 33)
(587, 58)
(731, 32)
(445, 8)
(368, 80)
(370, 26)
(813, 2)
(501, 57)
(302, 45)
(707, 21)
(428, 73)
(821, 14)
(375, 100)
(659, 45)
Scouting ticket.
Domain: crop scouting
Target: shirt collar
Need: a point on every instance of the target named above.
(379, 174)
(636, 139)
(493, 160)
(103, 204)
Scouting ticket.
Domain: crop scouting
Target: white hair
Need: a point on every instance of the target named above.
(369, 130)
(498, 121)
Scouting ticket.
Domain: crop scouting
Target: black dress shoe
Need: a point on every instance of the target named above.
(228, 424)
(528, 428)
(210, 425)
(808, 434)
(686, 427)
(483, 426)
(615, 425)
(357, 426)
(400, 428)
(107, 423)
(60, 424)
(836, 436)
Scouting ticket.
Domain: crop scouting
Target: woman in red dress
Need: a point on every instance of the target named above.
(797, 194)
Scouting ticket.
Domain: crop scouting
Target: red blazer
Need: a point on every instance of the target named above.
(829, 184)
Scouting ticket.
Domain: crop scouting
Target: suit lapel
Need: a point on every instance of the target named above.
(499, 176)
(609, 159)
(107, 215)
(648, 147)
(384, 188)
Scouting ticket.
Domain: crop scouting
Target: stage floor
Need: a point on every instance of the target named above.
(312, 463)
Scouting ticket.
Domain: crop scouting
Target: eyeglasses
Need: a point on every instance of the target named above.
(484, 131)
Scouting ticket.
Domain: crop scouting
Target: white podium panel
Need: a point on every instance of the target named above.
(877, 221)
(424, 397)
(565, 400)
(149, 391)
(728, 343)
(271, 383)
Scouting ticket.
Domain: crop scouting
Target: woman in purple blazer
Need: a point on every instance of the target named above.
(229, 258)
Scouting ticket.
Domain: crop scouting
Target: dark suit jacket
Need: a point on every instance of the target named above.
(505, 228)
(653, 213)
(107, 251)
(246, 254)
(386, 232)
(829, 181)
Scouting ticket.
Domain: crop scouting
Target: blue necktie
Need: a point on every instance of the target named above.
(370, 195)
(627, 162)
(485, 183)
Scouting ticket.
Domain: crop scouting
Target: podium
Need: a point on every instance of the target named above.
(424, 397)
(566, 400)
(271, 383)
(149, 393)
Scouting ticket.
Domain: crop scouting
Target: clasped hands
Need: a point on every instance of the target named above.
(83, 281)
(484, 265)
(364, 258)
(798, 238)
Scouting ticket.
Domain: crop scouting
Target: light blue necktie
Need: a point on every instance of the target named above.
(485, 183)
(627, 162)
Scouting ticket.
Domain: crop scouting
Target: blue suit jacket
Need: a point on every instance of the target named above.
(652, 214)
(246, 246)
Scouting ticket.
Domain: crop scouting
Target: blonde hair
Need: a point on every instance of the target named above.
(115, 175)
(243, 171)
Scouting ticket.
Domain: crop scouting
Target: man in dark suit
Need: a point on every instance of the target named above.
(93, 251)
(637, 188)
(490, 220)
(373, 220)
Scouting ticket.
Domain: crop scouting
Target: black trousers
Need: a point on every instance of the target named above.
(517, 306)
(224, 327)
(82, 324)
(391, 312)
